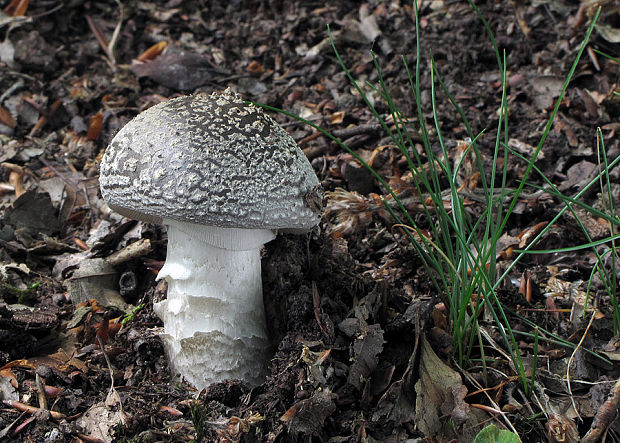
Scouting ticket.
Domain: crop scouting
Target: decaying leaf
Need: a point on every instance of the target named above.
(16, 8)
(59, 360)
(561, 429)
(94, 128)
(578, 175)
(336, 118)
(440, 394)
(395, 404)
(170, 410)
(34, 212)
(367, 347)
(100, 419)
(524, 148)
(530, 233)
(234, 428)
(573, 292)
(308, 416)
(177, 68)
(96, 278)
(152, 52)
(6, 118)
(597, 227)
(605, 415)
(256, 68)
(546, 89)
(7, 390)
(368, 24)
(314, 360)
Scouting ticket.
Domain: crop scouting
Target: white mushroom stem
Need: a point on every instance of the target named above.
(214, 319)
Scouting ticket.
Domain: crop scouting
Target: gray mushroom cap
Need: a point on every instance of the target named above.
(211, 160)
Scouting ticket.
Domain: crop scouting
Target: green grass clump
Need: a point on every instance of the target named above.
(458, 252)
(199, 419)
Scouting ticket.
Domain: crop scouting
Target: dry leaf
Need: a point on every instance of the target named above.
(100, 419)
(6, 118)
(527, 235)
(562, 429)
(255, 68)
(16, 8)
(152, 52)
(94, 129)
(440, 405)
(177, 68)
(366, 348)
(308, 416)
(336, 118)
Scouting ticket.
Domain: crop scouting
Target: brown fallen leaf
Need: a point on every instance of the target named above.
(153, 52)
(236, 427)
(16, 8)
(103, 329)
(256, 68)
(8, 374)
(578, 175)
(177, 69)
(441, 393)
(170, 410)
(6, 118)
(308, 416)
(336, 118)
(94, 129)
(367, 347)
(552, 307)
(16, 179)
(562, 429)
(528, 234)
(100, 419)
(524, 148)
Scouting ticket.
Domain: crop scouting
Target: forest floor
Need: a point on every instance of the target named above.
(361, 348)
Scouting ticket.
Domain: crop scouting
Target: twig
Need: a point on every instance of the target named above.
(23, 425)
(107, 360)
(44, 118)
(41, 393)
(60, 175)
(31, 409)
(310, 137)
(496, 409)
(317, 308)
(14, 87)
(604, 416)
(570, 360)
(134, 250)
(98, 35)
(115, 34)
(89, 439)
(345, 133)
(368, 128)
(108, 47)
(315, 151)
(7, 428)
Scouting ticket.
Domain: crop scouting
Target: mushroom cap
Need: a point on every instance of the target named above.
(212, 160)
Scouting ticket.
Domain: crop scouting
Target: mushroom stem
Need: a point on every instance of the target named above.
(214, 319)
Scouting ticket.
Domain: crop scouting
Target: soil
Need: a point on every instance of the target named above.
(361, 349)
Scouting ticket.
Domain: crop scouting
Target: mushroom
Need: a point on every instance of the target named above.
(224, 178)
